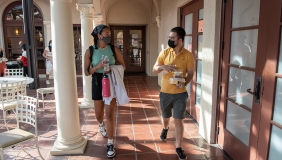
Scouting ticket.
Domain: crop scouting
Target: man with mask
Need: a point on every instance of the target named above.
(174, 96)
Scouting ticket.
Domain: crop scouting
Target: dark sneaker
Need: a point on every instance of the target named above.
(181, 154)
(103, 130)
(163, 135)
(111, 151)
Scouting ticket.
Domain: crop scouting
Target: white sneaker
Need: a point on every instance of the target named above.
(47, 82)
(110, 150)
(103, 130)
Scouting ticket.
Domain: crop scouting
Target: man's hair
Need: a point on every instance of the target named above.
(179, 31)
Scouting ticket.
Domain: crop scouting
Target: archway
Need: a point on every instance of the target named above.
(13, 30)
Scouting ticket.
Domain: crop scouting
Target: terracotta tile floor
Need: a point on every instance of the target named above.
(137, 133)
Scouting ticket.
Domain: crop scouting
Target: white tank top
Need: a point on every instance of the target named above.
(48, 54)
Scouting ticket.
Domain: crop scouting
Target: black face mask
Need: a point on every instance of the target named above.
(107, 39)
(171, 44)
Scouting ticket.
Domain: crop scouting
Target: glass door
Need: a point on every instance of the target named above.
(244, 51)
(77, 47)
(192, 21)
(39, 48)
(270, 133)
(131, 42)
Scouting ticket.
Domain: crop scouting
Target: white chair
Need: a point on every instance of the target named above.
(26, 113)
(44, 91)
(13, 72)
(9, 92)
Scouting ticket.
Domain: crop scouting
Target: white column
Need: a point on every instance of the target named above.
(86, 16)
(47, 32)
(69, 140)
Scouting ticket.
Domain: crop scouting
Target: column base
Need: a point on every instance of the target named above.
(86, 104)
(80, 150)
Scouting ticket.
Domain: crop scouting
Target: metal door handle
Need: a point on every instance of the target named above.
(250, 91)
(257, 91)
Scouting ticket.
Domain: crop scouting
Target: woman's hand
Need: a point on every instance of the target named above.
(95, 68)
(108, 71)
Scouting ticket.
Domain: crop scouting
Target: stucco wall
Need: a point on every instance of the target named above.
(125, 12)
(210, 65)
(151, 56)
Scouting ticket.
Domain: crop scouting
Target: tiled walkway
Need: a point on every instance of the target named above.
(138, 126)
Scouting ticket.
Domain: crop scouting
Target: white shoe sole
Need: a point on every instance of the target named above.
(111, 156)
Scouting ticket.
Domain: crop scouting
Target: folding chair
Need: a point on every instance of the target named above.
(13, 72)
(9, 92)
(26, 114)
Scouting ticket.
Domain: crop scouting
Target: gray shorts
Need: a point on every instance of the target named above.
(177, 102)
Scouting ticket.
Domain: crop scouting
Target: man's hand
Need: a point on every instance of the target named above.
(168, 68)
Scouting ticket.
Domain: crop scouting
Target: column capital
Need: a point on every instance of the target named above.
(86, 10)
(98, 19)
(47, 24)
(158, 19)
(70, 1)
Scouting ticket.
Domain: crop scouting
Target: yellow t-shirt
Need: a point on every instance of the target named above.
(184, 60)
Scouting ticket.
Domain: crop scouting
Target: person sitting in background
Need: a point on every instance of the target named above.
(23, 59)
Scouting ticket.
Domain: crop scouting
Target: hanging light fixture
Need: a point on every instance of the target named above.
(17, 31)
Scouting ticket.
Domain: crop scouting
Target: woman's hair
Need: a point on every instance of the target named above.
(50, 47)
(23, 46)
(97, 30)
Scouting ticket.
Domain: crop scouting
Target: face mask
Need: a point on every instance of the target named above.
(50, 45)
(171, 44)
(106, 40)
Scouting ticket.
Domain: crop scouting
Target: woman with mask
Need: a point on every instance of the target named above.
(102, 39)
(47, 54)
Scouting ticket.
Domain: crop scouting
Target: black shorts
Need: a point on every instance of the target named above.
(173, 103)
(97, 86)
(25, 71)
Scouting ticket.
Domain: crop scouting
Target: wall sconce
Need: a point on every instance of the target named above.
(17, 32)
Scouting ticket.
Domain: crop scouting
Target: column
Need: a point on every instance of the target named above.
(69, 140)
(86, 16)
(47, 32)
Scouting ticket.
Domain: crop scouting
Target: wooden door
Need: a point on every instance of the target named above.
(270, 128)
(192, 21)
(244, 77)
(131, 41)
